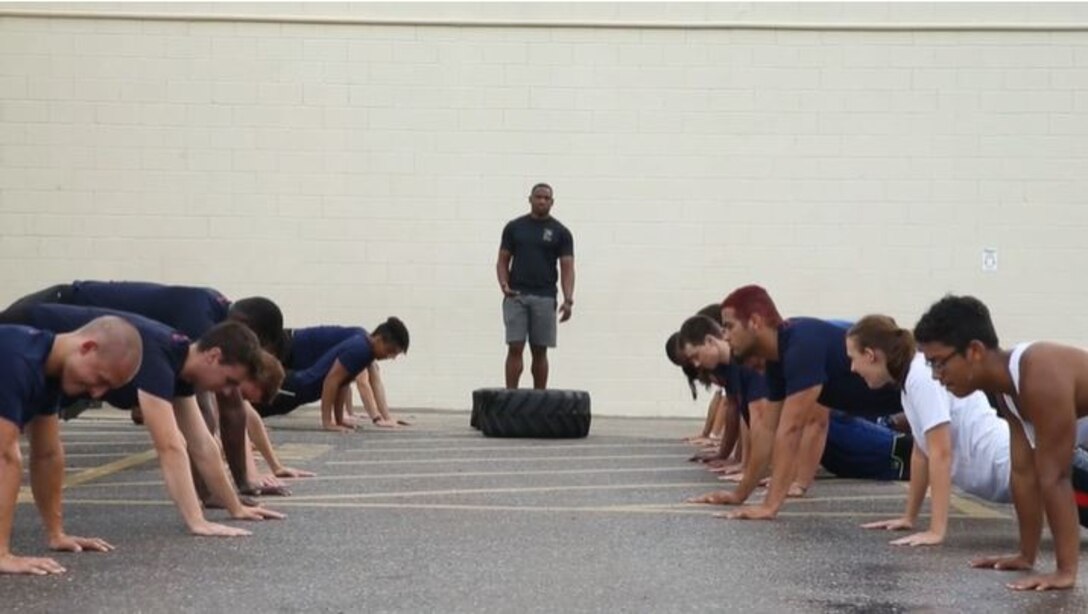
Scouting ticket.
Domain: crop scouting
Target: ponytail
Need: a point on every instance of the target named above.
(879, 332)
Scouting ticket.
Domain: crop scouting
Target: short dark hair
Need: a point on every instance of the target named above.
(696, 328)
(712, 311)
(956, 321)
(262, 316)
(269, 377)
(541, 185)
(237, 344)
(393, 332)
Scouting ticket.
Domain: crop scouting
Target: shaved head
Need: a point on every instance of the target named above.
(118, 342)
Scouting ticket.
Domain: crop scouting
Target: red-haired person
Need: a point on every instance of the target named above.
(807, 371)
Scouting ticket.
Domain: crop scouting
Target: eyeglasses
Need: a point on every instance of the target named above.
(938, 365)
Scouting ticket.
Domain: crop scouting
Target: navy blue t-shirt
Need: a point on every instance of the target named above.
(165, 349)
(308, 345)
(745, 385)
(354, 353)
(25, 391)
(536, 246)
(191, 311)
(813, 352)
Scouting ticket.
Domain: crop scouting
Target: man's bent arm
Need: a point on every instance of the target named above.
(173, 457)
(764, 416)
(796, 412)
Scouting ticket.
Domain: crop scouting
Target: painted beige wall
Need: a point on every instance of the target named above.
(356, 171)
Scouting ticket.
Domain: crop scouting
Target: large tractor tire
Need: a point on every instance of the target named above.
(542, 414)
(480, 397)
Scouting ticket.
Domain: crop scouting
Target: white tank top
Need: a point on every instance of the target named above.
(1010, 403)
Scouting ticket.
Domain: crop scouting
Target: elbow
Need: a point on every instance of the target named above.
(170, 446)
(940, 455)
(790, 429)
(12, 461)
(1054, 477)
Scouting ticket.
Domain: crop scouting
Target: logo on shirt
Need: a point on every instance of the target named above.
(548, 235)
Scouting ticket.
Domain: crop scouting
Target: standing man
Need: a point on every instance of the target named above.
(534, 243)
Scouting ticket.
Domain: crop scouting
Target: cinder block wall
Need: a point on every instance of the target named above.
(356, 171)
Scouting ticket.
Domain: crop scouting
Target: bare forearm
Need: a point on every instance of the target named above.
(711, 412)
(367, 396)
(813, 441)
(206, 457)
(731, 433)
(379, 393)
(1061, 514)
(259, 435)
(232, 430)
(919, 484)
(1029, 517)
(11, 473)
(786, 442)
(174, 462)
(567, 282)
(328, 402)
(762, 439)
(940, 484)
(745, 444)
(46, 479)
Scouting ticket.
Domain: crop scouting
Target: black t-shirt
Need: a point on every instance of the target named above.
(192, 311)
(25, 391)
(165, 349)
(745, 385)
(536, 246)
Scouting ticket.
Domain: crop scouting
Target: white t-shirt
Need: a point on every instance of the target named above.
(981, 464)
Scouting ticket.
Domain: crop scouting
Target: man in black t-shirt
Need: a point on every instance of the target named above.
(531, 245)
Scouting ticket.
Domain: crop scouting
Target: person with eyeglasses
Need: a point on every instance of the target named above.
(1042, 390)
(959, 442)
(807, 371)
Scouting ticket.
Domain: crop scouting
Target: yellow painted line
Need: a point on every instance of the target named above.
(621, 509)
(521, 459)
(94, 473)
(682, 449)
(971, 508)
(302, 451)
(110, 468)
(974, 509)
(465, 474)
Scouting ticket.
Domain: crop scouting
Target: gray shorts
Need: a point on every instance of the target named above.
(526, 315)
